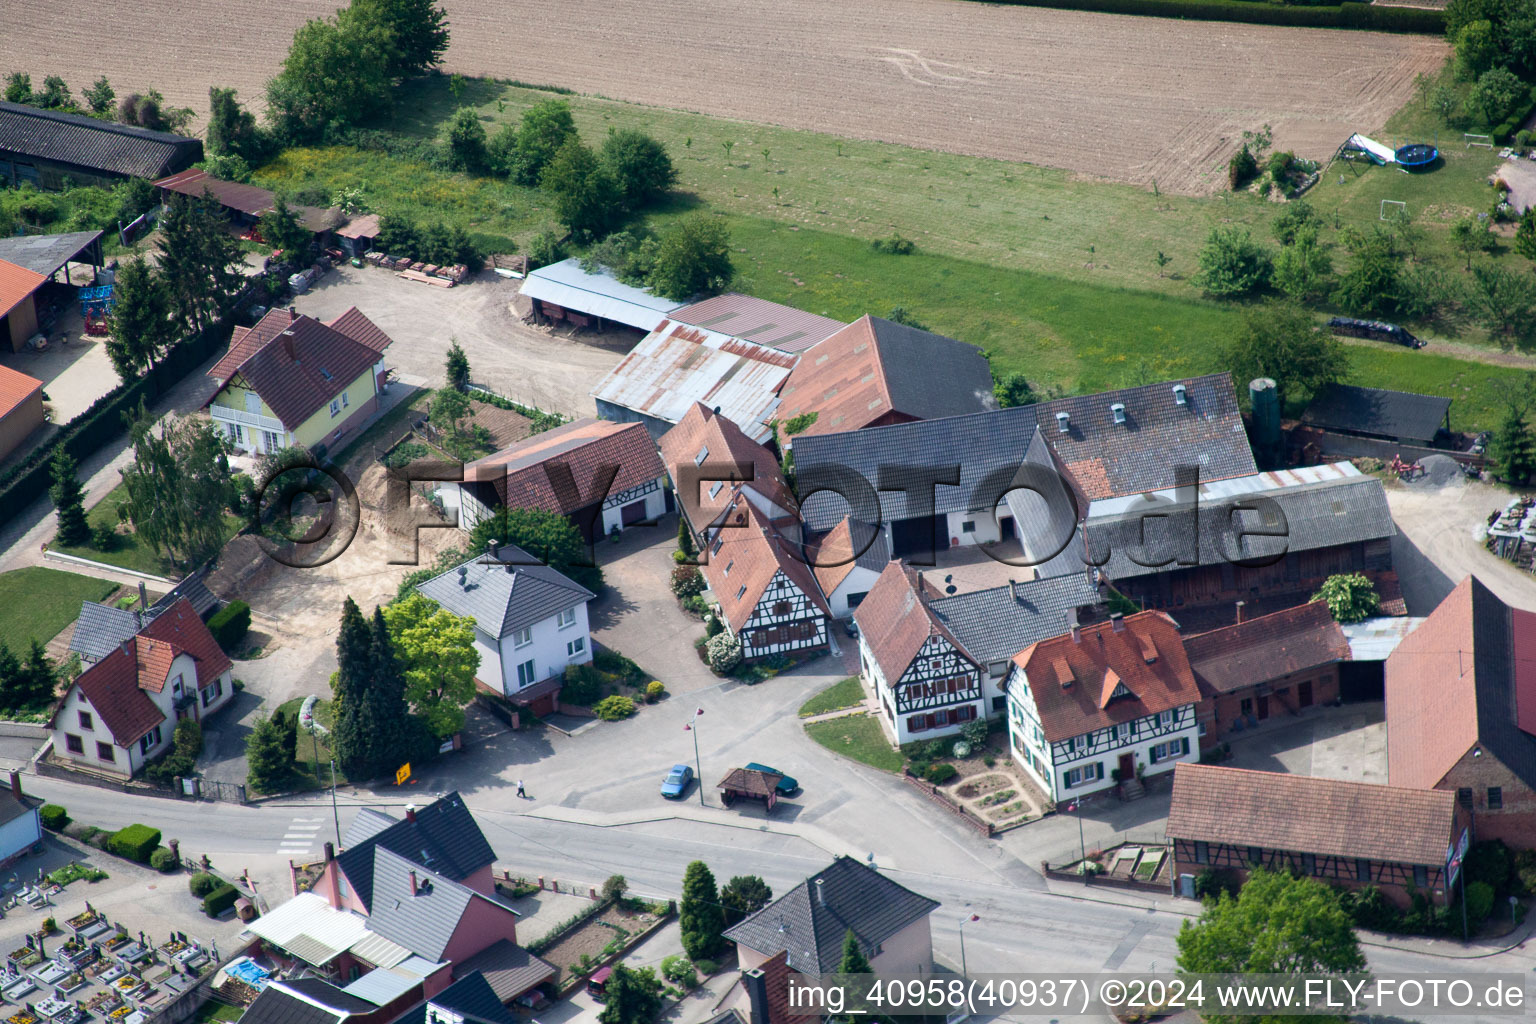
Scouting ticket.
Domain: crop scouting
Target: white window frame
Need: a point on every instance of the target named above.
(527, 674)
(576, 648)
(345, 400)
(335, 407)
(523, 637)
(566, 619)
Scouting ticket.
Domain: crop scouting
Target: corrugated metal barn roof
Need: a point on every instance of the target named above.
(566, 284)
(98, 145)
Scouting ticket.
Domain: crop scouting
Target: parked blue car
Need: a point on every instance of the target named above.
(676, 782)
(787, 784)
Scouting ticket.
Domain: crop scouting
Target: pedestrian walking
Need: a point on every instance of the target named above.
(520, 791)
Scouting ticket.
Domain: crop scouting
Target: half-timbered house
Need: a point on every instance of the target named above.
(1343, 833)
(847, 560)
(711, 461)
(603, 476)
(1102, 705)
(767, 595)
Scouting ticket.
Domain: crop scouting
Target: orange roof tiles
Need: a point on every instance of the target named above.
(1302, 814)
(704, 440)
(1431, 694)
(746, 555)
(16, 283)
(15, 388)
(522, 477)
(895, 621)
(1266, 647)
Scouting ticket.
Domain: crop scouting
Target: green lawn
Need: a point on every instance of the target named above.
(312, 755)
(844, 694)
(128, 551)
(35, 603)
(859, 737)
(215, 1012)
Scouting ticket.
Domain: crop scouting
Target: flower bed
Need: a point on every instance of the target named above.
(21, 1017)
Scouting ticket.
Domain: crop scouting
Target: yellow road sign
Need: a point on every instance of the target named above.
(403, 774)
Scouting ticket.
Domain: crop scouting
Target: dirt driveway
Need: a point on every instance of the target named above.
(526, 364)
(1440, 541)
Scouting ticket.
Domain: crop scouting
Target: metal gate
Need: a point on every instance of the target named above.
(212, 789)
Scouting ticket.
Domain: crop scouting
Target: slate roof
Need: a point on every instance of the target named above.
(1378, 412)
(1104, 459)
(443, 837)
(1465, 677)
(1074, 682)
(296, 364)
(851, 544)
(995, 624)
(895, 622)
(759, 321)
(874, 368)
(810, 921)
(507, 970)
(744, 558)
(303, 1001)
(44, 254)
(16, 283)
(1303, 814)
(425, 922)
(506, 592)
(1267, 647)
(723, 445)
(522, 477)
(101, 629)
(1306, 518)
(99, 145)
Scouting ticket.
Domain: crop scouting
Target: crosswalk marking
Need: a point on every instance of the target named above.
(300, 836)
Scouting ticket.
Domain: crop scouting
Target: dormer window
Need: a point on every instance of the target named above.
(1180, 395)
(1063, 422)
(1118, 412)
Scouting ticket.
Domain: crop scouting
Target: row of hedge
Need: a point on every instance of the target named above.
(1352, 15)
(230, 624)
(103, 421)
(1505, 132)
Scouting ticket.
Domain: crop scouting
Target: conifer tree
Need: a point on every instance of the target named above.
(68, 499)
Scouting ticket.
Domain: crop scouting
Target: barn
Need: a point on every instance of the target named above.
(565, 293)
(47, 148)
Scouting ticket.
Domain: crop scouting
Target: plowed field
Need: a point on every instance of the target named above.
(1133, 99)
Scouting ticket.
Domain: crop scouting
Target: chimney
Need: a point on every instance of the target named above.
(1117, 620)
(288, 347)
(413, 882)
(126, 649)
(1073, 627)
(919, 583)
(410, 812)
(1240, 607)
(821, 899)
(756, 984)
(293, 311)
(16, 785)
(1013, 589)
(143, 597)
(491, 547)
(330, 851)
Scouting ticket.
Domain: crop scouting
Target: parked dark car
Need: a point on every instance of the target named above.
(787, 784)
(1376, 330)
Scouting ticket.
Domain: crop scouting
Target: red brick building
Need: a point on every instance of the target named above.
(1461, 711)
(1275, 666)
(1343, 833)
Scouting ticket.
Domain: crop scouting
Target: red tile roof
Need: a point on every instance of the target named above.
(252, 200)
(297, 364)
(1073, 682)
(1302, 814)
(776, 974)
(522, 478)
(724, 445)
(746, 555)
(112, 686)
(1266, 648)
(1431, 694)
(15, 388)
(16, 283)
(895, 621)
(181, 626)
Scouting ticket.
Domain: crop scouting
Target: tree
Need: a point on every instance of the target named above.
(10, 677)
(437, 650)
(1232, 263)
(449, 409)
(1293, 216)
(373, 726)
(1373, 282)
(18, 87)
(68, 499)
(330, 77)
(54, 95)
(1513, 445)
(1471, 235)
(199, 259)
(904, 316)
(1351, 597)
(700, 915)
(1525, 234)
(545, 127)
(1277, 924)
(456, 367)
(630, 996)
(281, 228)
(586, 197)
(744, 896)
(417, 33)
(232, 130)
(268, 766)
(1281, 341)
(463, 139)
(693, 257)
(1303, 268)
(640, 165)
(140, 319)
(1504, 301)
(1477, 49)
(1162, 260)
(179, 487)
(546, 536)
(854, 961)
(353, 654)
(1496, 94)
(38, 683)
(100, 96)
(1013, 389)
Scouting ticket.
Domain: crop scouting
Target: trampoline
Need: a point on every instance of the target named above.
(1416, 155)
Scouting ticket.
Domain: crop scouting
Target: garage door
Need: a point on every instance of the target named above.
(632, 513)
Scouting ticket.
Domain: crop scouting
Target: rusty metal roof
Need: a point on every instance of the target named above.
(759, 321)
(677, 365)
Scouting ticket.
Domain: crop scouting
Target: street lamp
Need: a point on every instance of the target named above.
(963, 922)
(335, 814)
(1082, 847)
(697, 767)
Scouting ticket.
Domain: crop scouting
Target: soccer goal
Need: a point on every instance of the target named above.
(1391, 206)
(1473, 139)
